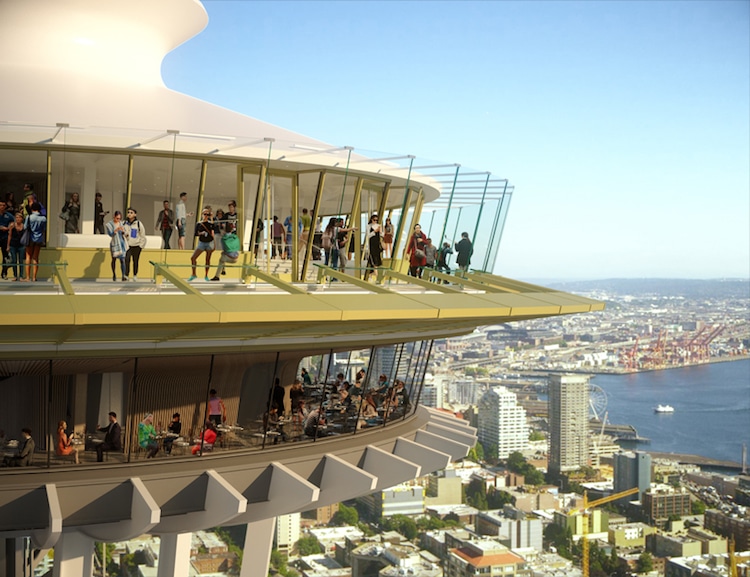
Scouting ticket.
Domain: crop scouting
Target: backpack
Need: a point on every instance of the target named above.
(230, 242)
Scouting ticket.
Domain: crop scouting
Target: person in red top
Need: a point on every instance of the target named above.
(209, 438)
(64, 441)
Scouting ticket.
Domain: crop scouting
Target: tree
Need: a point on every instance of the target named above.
(401, 524)
(497, 498)
(645, 563)
(476, 495)
(308, 545)
(516, 462)
(430, 523)
(345, 516)
(476, 453)
(278, 561)
(536, 436)
(697, 507)
(533, 476)
(561, 538)
(451, 520)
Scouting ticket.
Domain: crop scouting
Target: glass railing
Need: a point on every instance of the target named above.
(125, 410)
(82, 175)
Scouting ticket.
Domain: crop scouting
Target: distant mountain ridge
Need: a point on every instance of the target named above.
(688, 288)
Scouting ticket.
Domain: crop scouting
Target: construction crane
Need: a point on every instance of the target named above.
(630, 356)
(732, 559)
(586, 511)
(703, 350)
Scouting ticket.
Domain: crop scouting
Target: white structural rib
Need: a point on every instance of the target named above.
(339, 481)
(221, 502)
(277, 491)
(390, 469)
(46, 537)
(144, 515)
(428, 459)
(448, 420)
(463, 437)
(83, 507)
(455, 449)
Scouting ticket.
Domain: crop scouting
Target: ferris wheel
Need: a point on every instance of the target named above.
(597, 402)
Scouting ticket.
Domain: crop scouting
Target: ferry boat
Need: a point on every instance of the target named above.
(664, 409)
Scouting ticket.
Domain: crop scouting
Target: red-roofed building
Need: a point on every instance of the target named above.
(486, 558)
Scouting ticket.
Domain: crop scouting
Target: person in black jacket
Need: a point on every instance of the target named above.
(205, 231)
(165, 223)
(278, 396)
(465, 249)
(174, 430)
(25, 455)
(112, 438)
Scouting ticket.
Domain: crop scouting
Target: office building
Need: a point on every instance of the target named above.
(512, 527)
(398, 500)
(287, 531)
(93, 120)
(632, 469)
(568, 422)
(662, 502)
(735, 525)
(502, 423)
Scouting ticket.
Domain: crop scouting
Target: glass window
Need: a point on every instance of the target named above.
(220, 190)
(20, 167)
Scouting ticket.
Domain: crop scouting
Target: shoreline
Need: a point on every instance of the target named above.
(655, 369)
(700, 461)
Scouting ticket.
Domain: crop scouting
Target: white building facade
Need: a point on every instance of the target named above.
(502, 423)
(568, 422)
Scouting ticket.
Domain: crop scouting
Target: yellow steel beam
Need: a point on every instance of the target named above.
(385, 273)
(326, 271)
(58, 269)
(249, 270)
(162, 270)
(507, 283)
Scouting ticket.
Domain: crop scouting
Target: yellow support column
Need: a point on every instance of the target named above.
(355, 219)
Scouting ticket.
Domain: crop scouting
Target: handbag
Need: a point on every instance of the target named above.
(65, 215)
(26, 237)
(419, 254)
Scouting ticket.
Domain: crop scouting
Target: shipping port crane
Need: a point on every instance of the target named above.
(586, 511)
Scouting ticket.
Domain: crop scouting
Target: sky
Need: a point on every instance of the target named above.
(623, 125)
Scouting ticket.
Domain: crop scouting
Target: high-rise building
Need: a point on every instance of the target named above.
(632, 469)
(568, 422)
(464, 392)
(287, 531)
(502, 423)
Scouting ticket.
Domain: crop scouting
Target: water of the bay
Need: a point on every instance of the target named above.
(711, 408)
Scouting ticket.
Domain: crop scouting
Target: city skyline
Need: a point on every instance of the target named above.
(623, 126)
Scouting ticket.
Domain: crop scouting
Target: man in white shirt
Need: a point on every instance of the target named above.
(181, 215)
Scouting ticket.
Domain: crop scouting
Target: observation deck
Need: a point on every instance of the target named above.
(80, 347)
(84, 318)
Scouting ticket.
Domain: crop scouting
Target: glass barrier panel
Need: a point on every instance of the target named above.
(310, 233)
(19, 168)
(152, 193)
(162, 387)
(250, 184)
(221, 194)
(74, 207)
